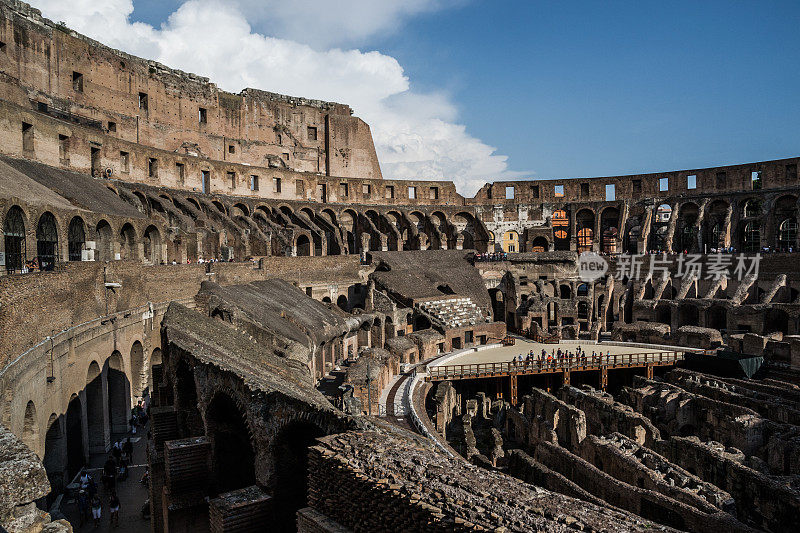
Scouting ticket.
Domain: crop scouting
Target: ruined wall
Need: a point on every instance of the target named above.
(66, 75)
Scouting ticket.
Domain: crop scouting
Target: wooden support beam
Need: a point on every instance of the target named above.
(513, 392)
(603, 378)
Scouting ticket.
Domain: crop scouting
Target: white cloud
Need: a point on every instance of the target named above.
(322, 23)
(416, 135)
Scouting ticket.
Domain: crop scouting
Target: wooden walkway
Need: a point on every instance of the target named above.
(565, 365)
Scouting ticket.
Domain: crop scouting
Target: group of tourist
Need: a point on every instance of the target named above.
(493, 256)
(115, 470)
(33, 265)
(557, 358)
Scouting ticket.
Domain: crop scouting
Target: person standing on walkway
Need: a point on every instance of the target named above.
(97, 510)
(83, 506)
(113, 506)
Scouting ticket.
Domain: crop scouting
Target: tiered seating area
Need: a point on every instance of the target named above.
(453, 312)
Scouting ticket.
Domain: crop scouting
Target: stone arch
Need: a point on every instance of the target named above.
(128, 246)
(47, 241)
(74, 435)
(144, 205)
(195, 203)
(609, 230)
(14, 236)
(55, 454)
(584, 220)
(511, 242)
(753, 207)
(95, 410)
(540, 244)
(118, 388)
(583, 289)
(787, 235)
(303, 245)
(220, 206)
(421, 322)
(76, 239)
(389, 331)
(30, 428)
(714, 222)
(240, 210)
(104, 241)
(565, 292)
(156, 371)
(560, 224)
(751, 237)
(660, 228)
(552, 313)
(231, 446)
(686, 228)
(152, 245)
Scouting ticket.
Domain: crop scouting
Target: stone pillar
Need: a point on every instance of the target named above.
(573, 233)
(84, 426)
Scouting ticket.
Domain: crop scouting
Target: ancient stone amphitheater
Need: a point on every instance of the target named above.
(322, 349)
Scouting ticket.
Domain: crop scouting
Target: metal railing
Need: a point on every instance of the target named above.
(542, 366)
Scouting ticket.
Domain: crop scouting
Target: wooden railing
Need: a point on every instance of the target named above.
(543, 366)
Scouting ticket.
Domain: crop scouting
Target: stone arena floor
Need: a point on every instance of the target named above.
(502, 354)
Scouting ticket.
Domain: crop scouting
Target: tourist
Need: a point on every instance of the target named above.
(109, 473)
(97, 510)
(85, 477)
(83, 506)
(113, 507)
(127, 449)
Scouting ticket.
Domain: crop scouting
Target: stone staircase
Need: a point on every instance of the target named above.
(453, 312)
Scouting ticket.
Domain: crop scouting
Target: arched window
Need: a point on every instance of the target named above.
(752, 208)
(787, 234)
(14, 234)
(716, 234)
(560, 223)
(585, 240)
(511, 242)
(539, 245)
(76, 238)
(752, 237)
(47, 241)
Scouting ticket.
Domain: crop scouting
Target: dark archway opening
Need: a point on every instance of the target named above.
(55, 457)
(75, 457)
(76, 239)
(776, 320)
(47, 241)
(118, 394)
(290, 456)
(303, 246)
(234, 460)
(717, 318)
(95, 418)
(14, 235)
(186, 400)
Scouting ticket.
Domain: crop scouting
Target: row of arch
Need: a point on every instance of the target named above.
(91, 417)
(49, 250)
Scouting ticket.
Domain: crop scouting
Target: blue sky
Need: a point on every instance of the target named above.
(590, 88)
